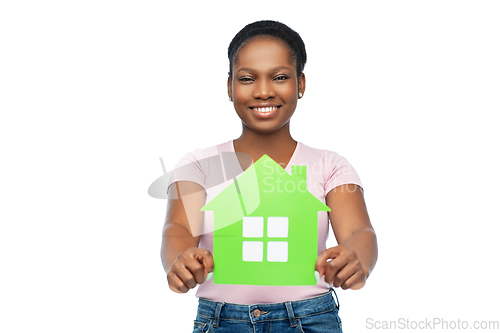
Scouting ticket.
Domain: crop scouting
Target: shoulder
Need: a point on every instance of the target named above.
(195, 166)
(333, 168)
(199, 155)
(324, 156)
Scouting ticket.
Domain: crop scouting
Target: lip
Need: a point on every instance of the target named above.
(264, 115)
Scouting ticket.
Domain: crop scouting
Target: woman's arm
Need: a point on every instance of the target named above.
(355, 256)
(186, 264)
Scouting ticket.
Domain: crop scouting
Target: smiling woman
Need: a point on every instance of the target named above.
(265, 82)
(265, 86)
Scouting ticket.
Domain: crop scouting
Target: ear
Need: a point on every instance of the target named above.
(302, 83)
(229, 89)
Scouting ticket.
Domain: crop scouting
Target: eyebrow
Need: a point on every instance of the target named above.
(252, 70)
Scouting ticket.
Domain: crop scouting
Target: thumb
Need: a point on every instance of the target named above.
(206, 259)
(330, 253)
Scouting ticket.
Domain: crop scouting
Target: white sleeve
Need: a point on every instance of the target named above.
(338, 171)
(189, 168)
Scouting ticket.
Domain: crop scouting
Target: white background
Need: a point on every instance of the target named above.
(92, 93)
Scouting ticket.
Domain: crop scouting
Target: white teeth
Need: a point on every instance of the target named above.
(265, 110)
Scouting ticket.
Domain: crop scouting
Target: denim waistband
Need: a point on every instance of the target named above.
(268, 311)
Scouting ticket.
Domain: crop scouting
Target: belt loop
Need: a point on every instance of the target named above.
(291, 316)
(337, 304)
(217, 313)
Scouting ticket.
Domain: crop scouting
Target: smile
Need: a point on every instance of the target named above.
(266, 109)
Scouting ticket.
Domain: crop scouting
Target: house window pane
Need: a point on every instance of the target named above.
(277, 251)
(253, 226)
(253, 251)
(277, 226)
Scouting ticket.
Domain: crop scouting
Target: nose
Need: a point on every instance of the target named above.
(263, 90)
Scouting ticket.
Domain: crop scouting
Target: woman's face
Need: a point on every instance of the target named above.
(264, 85)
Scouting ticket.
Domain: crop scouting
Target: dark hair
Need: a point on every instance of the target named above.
(274, 29)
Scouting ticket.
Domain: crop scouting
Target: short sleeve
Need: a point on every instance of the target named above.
(338, 171)
(189, 168)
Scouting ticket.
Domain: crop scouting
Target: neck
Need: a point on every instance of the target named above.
(279, 143)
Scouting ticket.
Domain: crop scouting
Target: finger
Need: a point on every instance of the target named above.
(176, 284)
(197, 270)
(185, 275)
(330, 253)
(344, 274)
(355, 281)
(333, 267)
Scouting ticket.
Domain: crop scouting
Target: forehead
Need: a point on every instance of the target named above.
(264, 51)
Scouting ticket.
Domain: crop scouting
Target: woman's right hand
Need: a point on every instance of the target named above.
(190, 269)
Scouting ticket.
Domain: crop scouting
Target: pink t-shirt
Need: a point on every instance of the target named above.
(325, 171)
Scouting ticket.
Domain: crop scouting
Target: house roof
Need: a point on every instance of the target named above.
(264, 180)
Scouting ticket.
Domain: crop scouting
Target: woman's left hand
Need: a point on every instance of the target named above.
(344, 270)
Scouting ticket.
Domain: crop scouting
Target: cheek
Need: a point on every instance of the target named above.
(241, 93)
(288, 92)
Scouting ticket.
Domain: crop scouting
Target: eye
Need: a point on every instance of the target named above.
(245, 79)
(281, 78)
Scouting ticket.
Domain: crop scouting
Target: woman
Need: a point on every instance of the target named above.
(265, 81)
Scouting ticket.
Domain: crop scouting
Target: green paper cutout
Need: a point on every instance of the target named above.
(266, 228)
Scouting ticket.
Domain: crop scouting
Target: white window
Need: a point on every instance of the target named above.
(253, 251)
(277, 227)
(253, 226)
(277, 251)
(277, 232)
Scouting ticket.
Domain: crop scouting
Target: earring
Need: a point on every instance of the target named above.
(230, 99)
(300, 95)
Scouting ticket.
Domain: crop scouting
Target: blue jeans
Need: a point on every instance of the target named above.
(318, 314)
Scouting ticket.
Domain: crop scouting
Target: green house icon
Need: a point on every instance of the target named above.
(266, 227)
